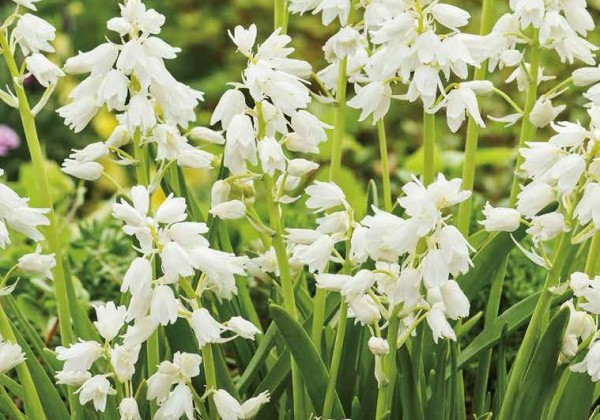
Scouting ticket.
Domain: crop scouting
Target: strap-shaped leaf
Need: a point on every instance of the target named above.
(512, 318)
(306, 356)
(543, 372)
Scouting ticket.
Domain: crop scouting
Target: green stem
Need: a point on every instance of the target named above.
(337, 143)
(592, 259)
(45, 198)
(470, 164)
(33, 403)
(318, 317)
(334, 368)
(281, 15)
(527, 128)
(428, 147)
(386, 391)
(534, 329)
(385, 170)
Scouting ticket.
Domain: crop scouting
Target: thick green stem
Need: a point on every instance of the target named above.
(469, 166)
(336, 357)
(318, 317)
(33, 404)
(535, 328)
(281, 15)
(385, 170)
(337, 142)
(591, 263)
(428, 148)
(386, 390)
(45, 198)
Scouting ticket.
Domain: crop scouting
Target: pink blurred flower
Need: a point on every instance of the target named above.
(9, 139)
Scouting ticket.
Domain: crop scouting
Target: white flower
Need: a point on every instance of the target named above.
(565, 173)
(38, 263)
(128, 409)
(188, 364)
(373, 98)
(501, 219)
(205, 327)
(244, 38)
(110, 319)
(324, 196)
(308, 133)
(179, 402)
(586, 76)
(365, 310)
(345, 42)
(332, 9)
(140, 113)
(439, 324)
(97, 61)
(378, 346)
(11, 355)
(315, 254)
(72, 377)
(588, 208)
(459, 102)
(568, 134)
(451, 17)
(231, 103)
(539, 157)
(34, 34)
(456, 304)
(534, 197)
(16, 214)
(242, 328)
(271, 155)
(227, 406)
(207, 135)
(251, 406)
(123, 360)
(27, 3)
(530, 12)
(579, 282)
(164, 308)
(546, 226)
(591, 363)
(79, 356)
(138, 276)
(543, 112)
(44, 70)
(96, 389)
(86, 170)
(113, 90)
(78, 113)
(229, 210)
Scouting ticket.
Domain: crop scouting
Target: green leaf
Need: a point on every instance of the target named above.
(513, 318)
(256, 364)
(542, 374)
(436, 407)
(305, 354)
(49, 396)
(486, 261)
(410, 400)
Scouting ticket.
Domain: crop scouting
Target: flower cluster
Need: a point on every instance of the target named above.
(564, 170)
(582, 325)
(130, 78)
(415, 257)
